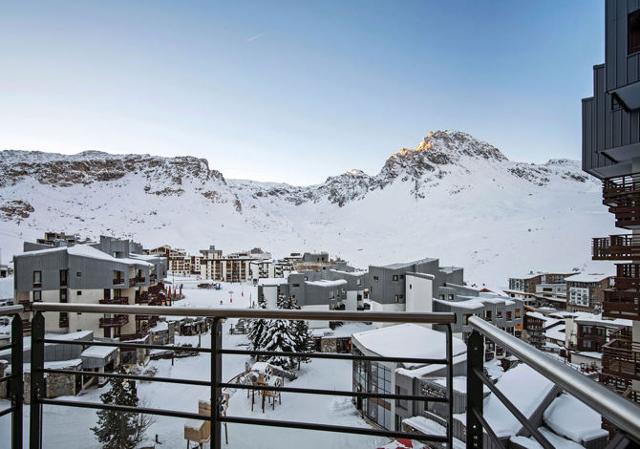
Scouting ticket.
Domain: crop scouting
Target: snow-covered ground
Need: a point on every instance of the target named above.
(64, 424)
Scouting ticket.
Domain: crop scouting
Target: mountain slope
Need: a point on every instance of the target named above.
(452, 197)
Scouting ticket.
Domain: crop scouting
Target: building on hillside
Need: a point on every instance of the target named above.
(109, 272)
(58, 239)
(235, 267)
(405, 340)
(585, 292)
(611, 152)
(316, 262)
(502, 311)
(411, 286)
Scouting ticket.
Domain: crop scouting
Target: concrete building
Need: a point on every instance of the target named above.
(585, 292)
(234, 267)
(411, 286)
(106, 272)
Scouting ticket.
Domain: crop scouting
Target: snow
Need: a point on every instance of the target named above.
(527, 400)
(598, 320)
(569, 417)
(87, 251)
(512, 215)
(407, 340)
(588, 278)
(99, 352)
(556, 441)
(327, 283)
(556, 333)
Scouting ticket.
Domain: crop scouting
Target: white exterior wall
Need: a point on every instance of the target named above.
(270, 293)
(51, 319)
(85, 321)
(419, 293)
(352, 300)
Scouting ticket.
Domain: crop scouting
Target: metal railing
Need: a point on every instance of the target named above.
(14, 381)
(216, 383)
(620, 412)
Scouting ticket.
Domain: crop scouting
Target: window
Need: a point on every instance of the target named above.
(398, 298)
(79, 293)
(37, 278)
(402, 403)
(633, 32)
(394, 278)
(375, 278)
(410, 286)
(487, 315)
(79, 274)
(63, 295)
(37, 296)
(509, 315)
(64, 274)
(296, 285)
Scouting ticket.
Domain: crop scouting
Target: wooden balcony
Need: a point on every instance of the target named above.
(114, 321)
(627, 276)
(135, 281)
(616, 247)
(116, 300)
(621, 304)
(618, 189)
(618, 360)
(627, 214)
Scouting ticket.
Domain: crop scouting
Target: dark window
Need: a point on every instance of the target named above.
(79, 293)
(37, 278)
(37, 296)
(63, 295)
(375, 278)
(78, 274)
(64, 274)
(633, 32)
(394, 277)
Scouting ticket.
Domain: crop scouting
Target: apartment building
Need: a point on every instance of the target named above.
(411, 286)
(611, 152)
(585, 292)
(234, 267)
(112, 271)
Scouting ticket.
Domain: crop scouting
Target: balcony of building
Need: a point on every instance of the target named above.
(620, 360)
(114, 321)
(618, 190)
(616, 247)
(621, 304)
(476, 431)
(627, 276)
(122, 300)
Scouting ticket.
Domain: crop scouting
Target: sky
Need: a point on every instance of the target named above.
(291, 91)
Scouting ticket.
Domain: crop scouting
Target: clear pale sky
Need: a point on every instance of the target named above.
(295, 91)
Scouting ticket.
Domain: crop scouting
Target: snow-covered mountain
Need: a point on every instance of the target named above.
(452, 197)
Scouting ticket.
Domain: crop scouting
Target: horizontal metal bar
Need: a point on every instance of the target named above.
(170, 380)
(3, 347)
(335, 356)
(314, 315)
(488, 428)
(526, 423)
(334, 393)
(125, 408)
(5, 378)
(622, 413)
(10, 310)
(331, 428)
(124, 344)
(6, 411)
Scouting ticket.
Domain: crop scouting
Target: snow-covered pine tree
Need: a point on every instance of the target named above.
(303, 341)
(120, 430)
(256, 334)
(278, 337)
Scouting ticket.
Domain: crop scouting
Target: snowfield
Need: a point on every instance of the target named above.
(452, 197)
(65, 424)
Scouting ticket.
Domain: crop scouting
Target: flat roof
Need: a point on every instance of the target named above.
(399, 265)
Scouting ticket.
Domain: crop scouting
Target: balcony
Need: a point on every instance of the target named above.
(122, 300)
(114, 321)
(118, 281)
(136, 281)
(618, 189)
(616, 247)
(620, 361)
(621, 304)
(627, 214)
(476, 431)
(627, 276)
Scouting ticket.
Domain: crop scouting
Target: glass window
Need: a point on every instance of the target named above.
(633, 32)
(37, 277)
(37, 296)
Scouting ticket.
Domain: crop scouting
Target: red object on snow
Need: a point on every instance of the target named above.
(405, 442)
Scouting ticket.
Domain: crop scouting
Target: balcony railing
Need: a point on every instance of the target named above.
(621, 304)
(616, 247)
(627, 214)
(627, 276)
(118, 281)
(619, 359)
(621, 413)
(619, 188)
(123, 300)
(15, 380)
(114, 321)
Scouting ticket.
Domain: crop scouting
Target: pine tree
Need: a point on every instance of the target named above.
(256, 334)
(120, 430)
(299, 329)
(278, 337)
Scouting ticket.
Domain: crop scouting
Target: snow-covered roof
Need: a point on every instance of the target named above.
(400, 265)
(556, 332)
(407, 340)
(597, 320)
(591, 354)
(527, 400)
(98, 352)
(61, 364)
(87, 251)
(327, 283)
(548, 321)
(587, 277)
(160, 327)
(272, 281)
(569, 417)
(477, 302)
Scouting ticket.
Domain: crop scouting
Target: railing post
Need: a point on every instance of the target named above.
(37, 380)
(450, 393)
(216, 379)
(17, 389)
(475, 387)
